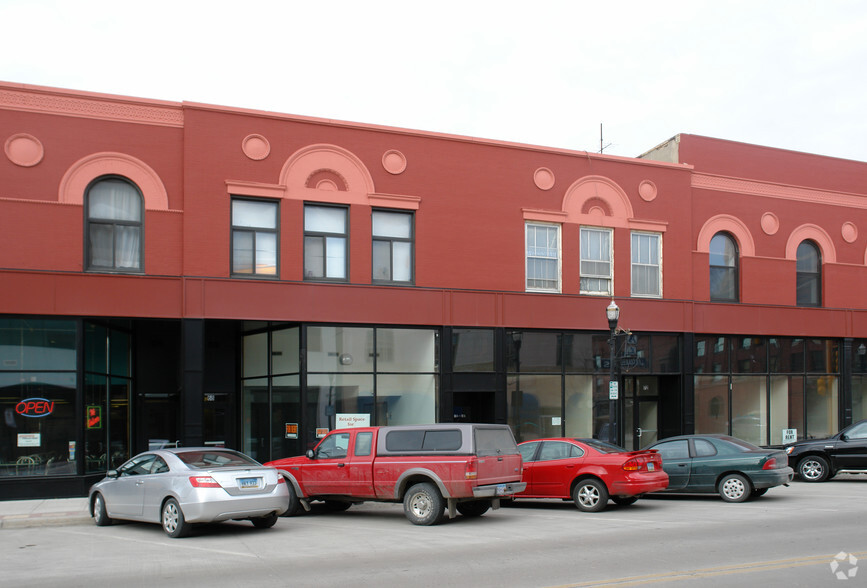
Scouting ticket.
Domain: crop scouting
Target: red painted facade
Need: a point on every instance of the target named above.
(471, 199)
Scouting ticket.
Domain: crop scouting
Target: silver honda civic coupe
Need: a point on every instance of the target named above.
(182, 486)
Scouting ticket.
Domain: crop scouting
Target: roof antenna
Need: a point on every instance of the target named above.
(602, 145)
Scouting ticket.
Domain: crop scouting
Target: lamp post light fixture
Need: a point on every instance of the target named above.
(613, 315)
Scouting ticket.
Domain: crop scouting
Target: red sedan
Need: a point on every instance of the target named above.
(589, 472)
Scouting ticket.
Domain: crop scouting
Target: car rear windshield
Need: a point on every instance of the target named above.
(602, 446)
(423, 440)
(497, 441)
(215, 459)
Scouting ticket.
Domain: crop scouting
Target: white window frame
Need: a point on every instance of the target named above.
(582, 274)
(634, 264)
(528, 257)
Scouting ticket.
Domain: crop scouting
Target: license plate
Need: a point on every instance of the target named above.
(650, 466)
(501, 489)
(248, 482)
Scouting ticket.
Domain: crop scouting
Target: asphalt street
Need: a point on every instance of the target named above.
(801, 535)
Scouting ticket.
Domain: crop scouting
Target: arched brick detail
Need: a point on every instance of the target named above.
(591, 191)
(314, 159)
(729, 224)
(85, 170)
(817, 235)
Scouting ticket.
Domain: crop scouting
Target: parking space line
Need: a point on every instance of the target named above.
(175, 544)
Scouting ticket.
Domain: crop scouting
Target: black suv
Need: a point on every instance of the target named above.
(816, 460)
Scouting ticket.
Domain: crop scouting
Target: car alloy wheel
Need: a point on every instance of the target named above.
(590, 495)
(813, 469)
(173, 520)
(734, 488)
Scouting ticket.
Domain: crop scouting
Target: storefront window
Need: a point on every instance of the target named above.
(534, 404)
(711, 404)
(859, 398)
(579, 406)
(472, 350)
(535, 352)
(711, 355)
(406, 399)
(339, 394)
(750, 409)
(749, 355)
(821, 403)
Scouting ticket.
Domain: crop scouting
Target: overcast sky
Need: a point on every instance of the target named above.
(790, 74)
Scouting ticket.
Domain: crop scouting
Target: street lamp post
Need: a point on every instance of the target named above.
(613, 314)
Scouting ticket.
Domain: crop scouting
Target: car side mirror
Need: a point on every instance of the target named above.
(310, 454)
(844, 437)
(111, 474)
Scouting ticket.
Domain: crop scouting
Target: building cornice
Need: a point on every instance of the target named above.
(773, 190)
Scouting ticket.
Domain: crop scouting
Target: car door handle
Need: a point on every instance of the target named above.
(340, 465)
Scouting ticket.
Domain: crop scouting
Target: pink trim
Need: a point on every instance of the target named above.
(813, 233)
(308, 160)
(596, 187)
(730, 224)
(87, 169)
(755, 188)
(770, 223)
(647, 190)
(544, 178)
(394, 161)
(256, 147)
(24, 149)
(242, 188)
(849, 232)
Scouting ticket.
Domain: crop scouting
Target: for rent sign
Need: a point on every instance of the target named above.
(35, 407)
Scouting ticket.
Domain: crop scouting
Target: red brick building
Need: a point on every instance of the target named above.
(187, 273)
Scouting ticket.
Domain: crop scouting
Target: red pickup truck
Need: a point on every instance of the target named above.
(463, 467)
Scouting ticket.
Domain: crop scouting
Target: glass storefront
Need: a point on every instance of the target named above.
(759, 389)
(38, 386)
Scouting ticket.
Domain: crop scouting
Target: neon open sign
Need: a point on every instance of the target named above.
(35, 407)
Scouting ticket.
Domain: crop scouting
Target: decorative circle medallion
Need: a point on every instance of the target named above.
(24, 149)
(256, 147)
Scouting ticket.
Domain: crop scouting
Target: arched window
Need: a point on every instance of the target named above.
(113, 225)
(723, 268)
(809, 268)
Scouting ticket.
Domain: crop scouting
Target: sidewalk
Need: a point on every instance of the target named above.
(17, 514)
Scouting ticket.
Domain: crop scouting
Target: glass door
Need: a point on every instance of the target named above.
(641, 411)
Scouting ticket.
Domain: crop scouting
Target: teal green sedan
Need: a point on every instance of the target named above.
(735, 469)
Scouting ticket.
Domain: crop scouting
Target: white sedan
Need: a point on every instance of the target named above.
(179, 487)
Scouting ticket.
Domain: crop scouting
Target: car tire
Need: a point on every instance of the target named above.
(294, 504)
(423, 504)
(734, 488)
(624, 500)
(814, 468)
(172, 520)
(265, 522)
(590, 495)
(473, 508)
(100, 514)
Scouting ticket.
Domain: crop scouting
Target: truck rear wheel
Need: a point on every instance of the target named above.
(473, 508)
(423, 504)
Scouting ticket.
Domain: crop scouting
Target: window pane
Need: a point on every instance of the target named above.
(382, 260)
(101, 245)
(723, 251)
(392, 224)
(248, 213)
(324, 219)
(579, 406)
(266, 253)
(808, 257)
(472, 350)
(334, 394)
(821, 403)
(535, 352)
(405, 350)
(750, 355)
(406, 399)
(128, 247)
(750, 409)
(534, 406)
(339, 349)
(285, 346)
(314, 257)
(402, 262)
(335, 262)
(114, 199)
(711, 404)
(242, 252)
(36, 344)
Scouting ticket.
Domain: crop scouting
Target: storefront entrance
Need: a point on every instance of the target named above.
(641, 411)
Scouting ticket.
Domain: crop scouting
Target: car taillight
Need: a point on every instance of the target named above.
(639, 463)
(634, 464)
(204, 482)
(471, 473)
(771, 464)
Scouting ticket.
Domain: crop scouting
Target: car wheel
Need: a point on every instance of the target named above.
(473, 508)
(624, 500)
(734, 488)
(423, 504)
(265, 522)
(813, 468)
(100, 515)
(294, 503)
(590, 495)
(173, 521)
